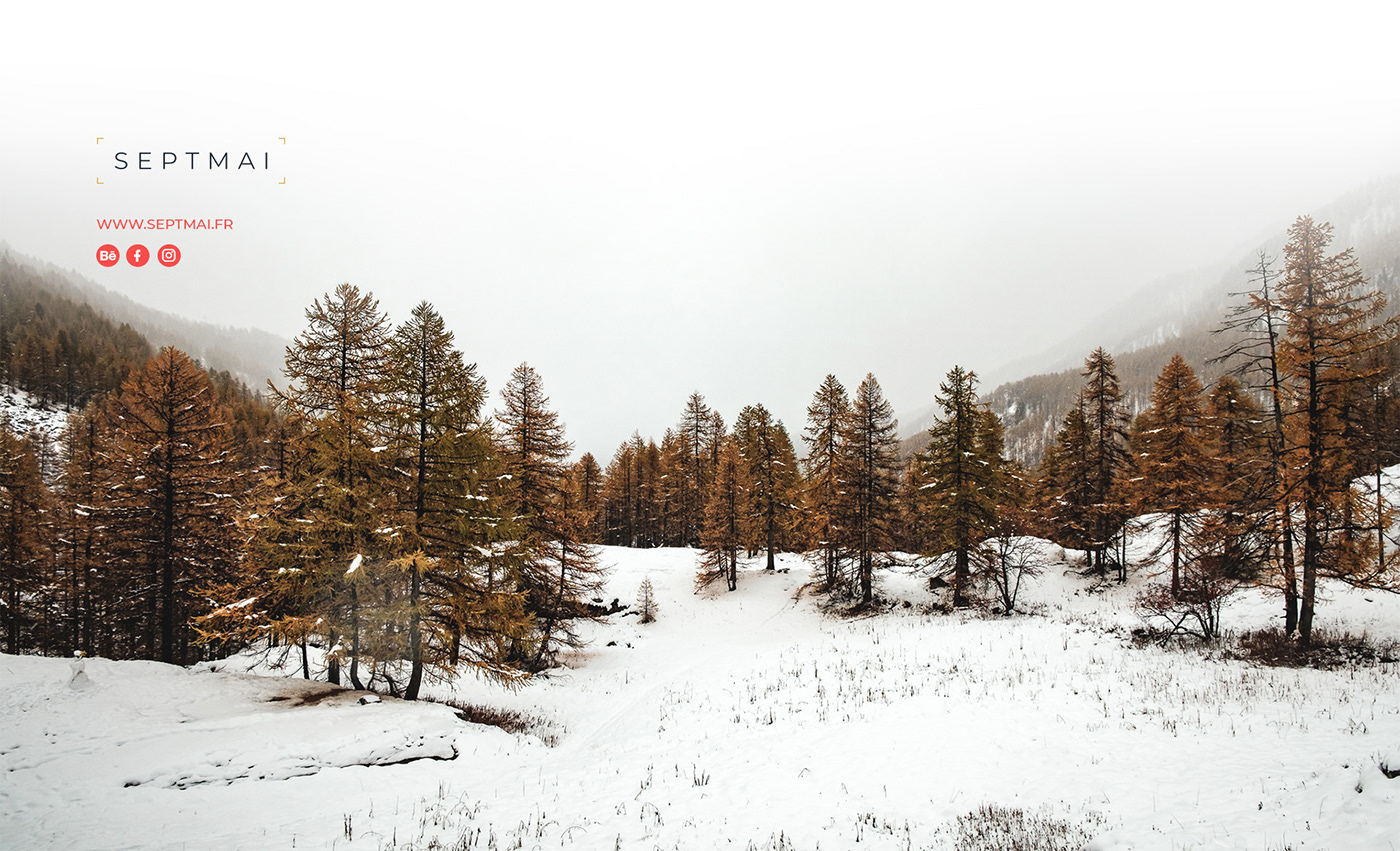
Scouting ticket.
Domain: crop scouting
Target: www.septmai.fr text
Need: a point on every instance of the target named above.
(165, 224)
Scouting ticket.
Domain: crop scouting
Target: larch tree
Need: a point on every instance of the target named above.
(619, 498)
(1108, 458)
(1226, 544)
(771, 469)
(433, 402)
(1333, 324)
(1259, 323)
(1064, 482)
(1235, 430)
(588, 481)
(1373, 432)
(723, 533)
(963, 468)
(557, 568)
(24, 535)
(174, 496)
(1172, 458)
(335, 495)
(696, 445)
(913, 535)
(823, 492)
(868, 470)
(81, 541)
(646, 602)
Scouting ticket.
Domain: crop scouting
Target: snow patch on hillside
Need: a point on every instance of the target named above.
(26, 415)
(27, 418)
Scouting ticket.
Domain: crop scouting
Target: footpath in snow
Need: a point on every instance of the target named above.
(744, 719)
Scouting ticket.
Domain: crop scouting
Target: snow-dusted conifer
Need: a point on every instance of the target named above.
(771, 468)
(822, 491)
(646, 602)
(1171, 457)
(868, 472)
(723, 534)
(556, 568)
(963, 467)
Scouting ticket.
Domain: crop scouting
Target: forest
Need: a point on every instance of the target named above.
(377, 506)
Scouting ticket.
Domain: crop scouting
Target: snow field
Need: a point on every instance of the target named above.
(742, 719)
(26, 414)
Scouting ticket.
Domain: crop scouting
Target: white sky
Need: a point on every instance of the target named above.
(645, 200)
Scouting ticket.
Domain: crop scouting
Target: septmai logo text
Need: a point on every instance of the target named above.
(168, 159)
(165, 224)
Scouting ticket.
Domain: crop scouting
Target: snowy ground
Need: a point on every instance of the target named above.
(27, 417)
(737, 720)
(25, 414)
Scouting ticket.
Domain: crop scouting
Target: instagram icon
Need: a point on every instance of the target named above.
(168, 255)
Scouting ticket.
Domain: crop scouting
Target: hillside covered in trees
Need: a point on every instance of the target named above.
(1182, 315)
(248, 354)
(375, 509)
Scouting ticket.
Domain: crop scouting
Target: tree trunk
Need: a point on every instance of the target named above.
(415, 644)
(355, 637)
(1290, 575)
(332, 665)
(961, 574)
(1176, 555)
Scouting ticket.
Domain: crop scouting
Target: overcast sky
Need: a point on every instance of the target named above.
(646, 200)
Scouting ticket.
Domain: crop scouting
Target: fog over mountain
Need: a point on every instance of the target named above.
(643, 201)
(1180, 313)
(250, 354)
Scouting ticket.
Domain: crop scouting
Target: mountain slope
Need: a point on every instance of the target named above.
(1180, 314)
(250, 354)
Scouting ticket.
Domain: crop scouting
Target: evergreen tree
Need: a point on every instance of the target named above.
(80, 542)
(1064, 484)
(868, 469)
(771, 469)
(662, 490)
(913, 534)
(433, 404)
(533, 448)
(646, 602)
(963, 466)
(619, 500)
(1172, 457)
(723, 533)
(174, 496)
(696, 444)
(1260, 323)
(335, 495)
(823, 492)
(1234, 426)
(1108, 459)
(557, 569)
(24, 537)
(1333, 324)
(588, 481)
(576, 576)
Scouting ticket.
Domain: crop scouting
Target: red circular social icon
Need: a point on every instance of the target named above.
(168, 255)
(108, 255)
(137, 255)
